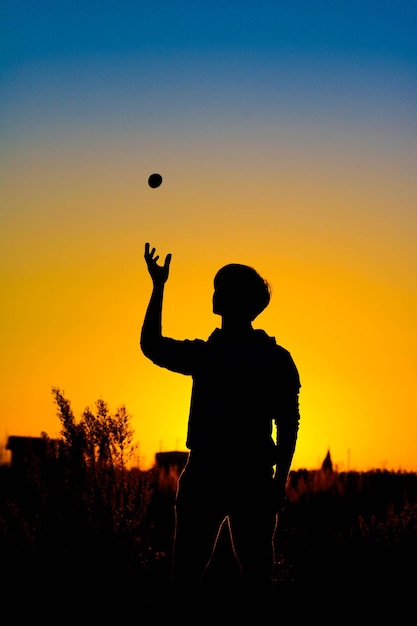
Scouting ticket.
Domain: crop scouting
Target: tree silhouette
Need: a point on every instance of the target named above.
(105, 500)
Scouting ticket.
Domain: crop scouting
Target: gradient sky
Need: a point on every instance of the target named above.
(286, 136)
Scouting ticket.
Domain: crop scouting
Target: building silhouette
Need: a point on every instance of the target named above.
(327, 465)
(26, 450)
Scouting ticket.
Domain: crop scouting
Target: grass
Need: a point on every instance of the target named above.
(346, 543)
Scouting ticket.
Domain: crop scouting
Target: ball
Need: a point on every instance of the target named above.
(154, 180)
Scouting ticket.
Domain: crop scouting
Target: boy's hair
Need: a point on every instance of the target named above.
(243, 288)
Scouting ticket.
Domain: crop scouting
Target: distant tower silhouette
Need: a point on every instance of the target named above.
(327, 465)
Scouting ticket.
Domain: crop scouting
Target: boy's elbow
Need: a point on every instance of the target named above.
(146, 346)
(150, 346)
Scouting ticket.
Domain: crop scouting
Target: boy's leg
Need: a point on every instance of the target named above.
(253, 525)
(197, 524)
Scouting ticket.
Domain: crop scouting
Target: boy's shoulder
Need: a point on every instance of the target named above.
(271, 342)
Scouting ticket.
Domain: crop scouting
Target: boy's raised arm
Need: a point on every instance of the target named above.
(152, 325)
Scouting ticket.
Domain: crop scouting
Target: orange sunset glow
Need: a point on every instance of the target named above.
(295, 159)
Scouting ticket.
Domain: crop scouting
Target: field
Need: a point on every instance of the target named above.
(98, 541)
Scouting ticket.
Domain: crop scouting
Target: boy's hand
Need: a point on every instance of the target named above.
(159, 273)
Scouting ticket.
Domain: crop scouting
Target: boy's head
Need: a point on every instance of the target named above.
(240, 290)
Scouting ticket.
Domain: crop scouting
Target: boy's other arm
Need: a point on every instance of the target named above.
(287, 433)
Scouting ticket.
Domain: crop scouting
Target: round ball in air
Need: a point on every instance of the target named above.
(154, 180)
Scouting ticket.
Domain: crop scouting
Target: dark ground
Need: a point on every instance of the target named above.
(335, 584)
(347, 551)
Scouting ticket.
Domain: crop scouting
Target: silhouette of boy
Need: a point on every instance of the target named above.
(242, 383)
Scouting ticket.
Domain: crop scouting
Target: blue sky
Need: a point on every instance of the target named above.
(41, 30)
(186, 63)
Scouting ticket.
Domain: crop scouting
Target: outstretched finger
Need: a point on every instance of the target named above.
(148, 254)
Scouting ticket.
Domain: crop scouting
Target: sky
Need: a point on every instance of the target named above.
(285, 132)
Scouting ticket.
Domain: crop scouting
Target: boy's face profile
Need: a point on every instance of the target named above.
(222, 302)
(225, 296)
